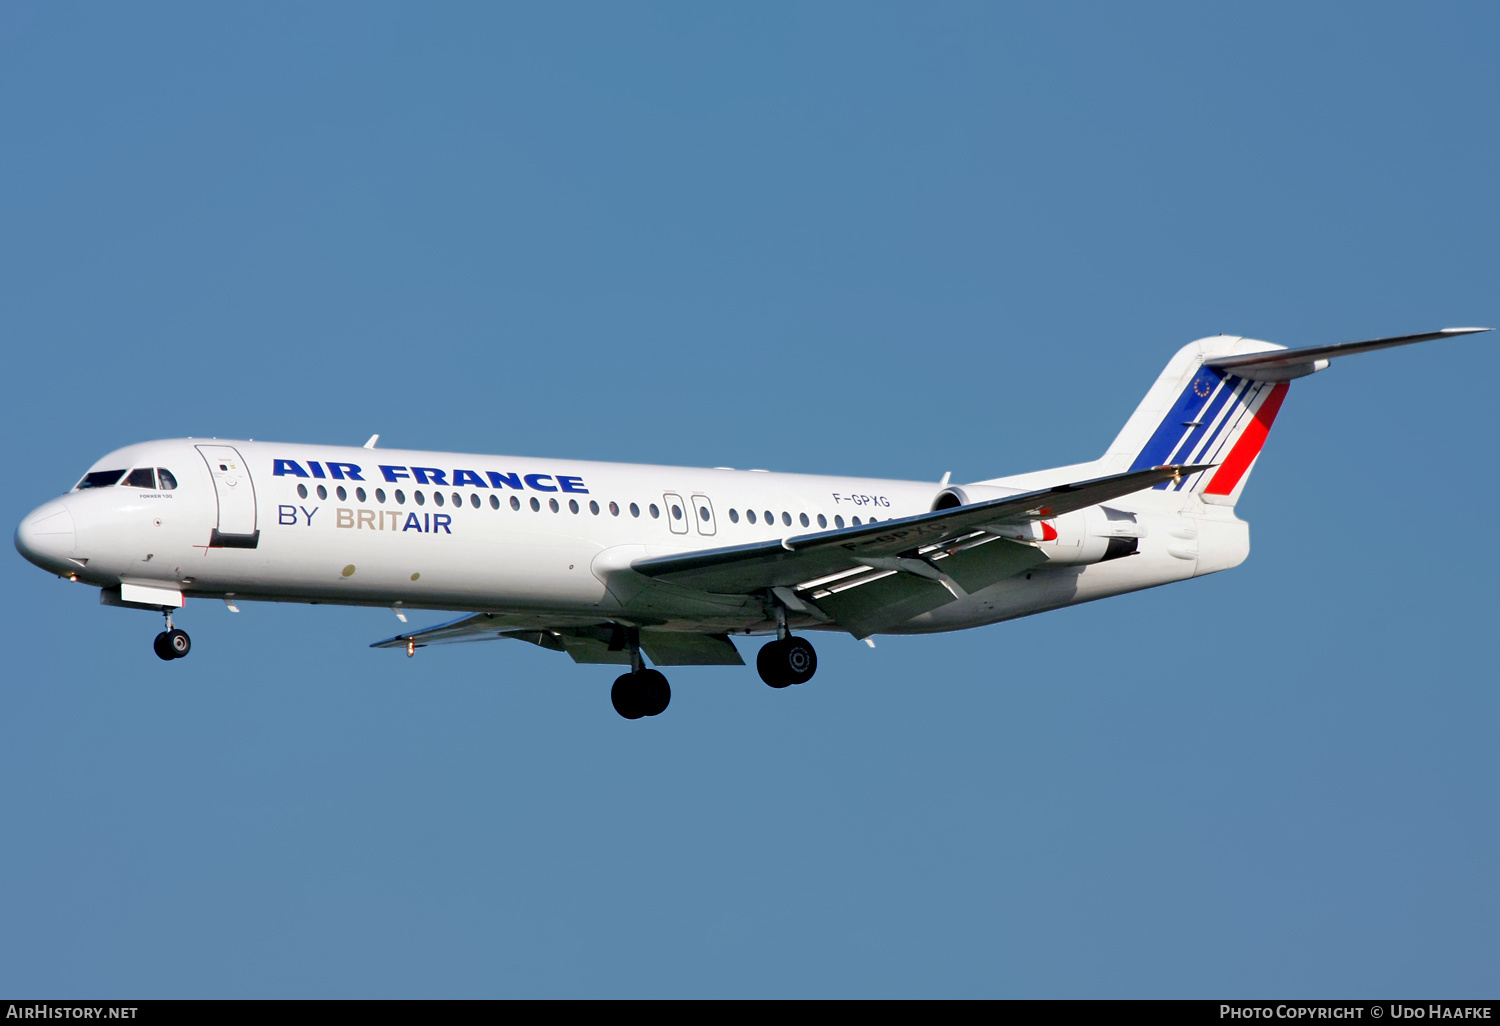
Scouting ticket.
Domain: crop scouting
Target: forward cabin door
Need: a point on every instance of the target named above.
(236, 528)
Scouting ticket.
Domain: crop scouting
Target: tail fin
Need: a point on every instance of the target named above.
(1216, 401)
(1199, 413)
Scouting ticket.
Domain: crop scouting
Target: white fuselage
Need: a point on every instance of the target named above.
(545, 540)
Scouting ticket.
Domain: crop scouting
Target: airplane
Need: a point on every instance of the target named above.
(613, 563)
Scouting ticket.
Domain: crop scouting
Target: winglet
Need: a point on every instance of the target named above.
(371, 443)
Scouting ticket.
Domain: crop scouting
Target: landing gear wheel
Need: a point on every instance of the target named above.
(768, 662)
(627, 698)
(640, 694)
(178, 643)
(787, 662)
(655, 692)
(160, 646)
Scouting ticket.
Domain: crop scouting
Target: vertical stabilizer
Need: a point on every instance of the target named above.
(1201, 414)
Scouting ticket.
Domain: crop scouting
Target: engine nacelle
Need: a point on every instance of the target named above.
(1091, 535)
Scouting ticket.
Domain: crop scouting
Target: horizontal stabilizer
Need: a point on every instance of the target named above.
(1253, 364)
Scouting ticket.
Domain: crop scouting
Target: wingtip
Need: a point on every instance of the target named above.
(1464, 331)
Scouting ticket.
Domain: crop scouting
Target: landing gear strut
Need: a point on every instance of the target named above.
(172, 643)
(787, 660)
(641, 692)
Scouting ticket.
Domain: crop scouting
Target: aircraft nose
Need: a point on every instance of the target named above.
(46, 537)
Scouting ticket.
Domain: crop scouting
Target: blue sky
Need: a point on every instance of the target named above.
(875, 239)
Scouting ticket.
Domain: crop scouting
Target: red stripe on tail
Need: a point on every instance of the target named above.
(1248, 447)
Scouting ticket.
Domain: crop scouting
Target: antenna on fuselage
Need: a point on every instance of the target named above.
(371, 443)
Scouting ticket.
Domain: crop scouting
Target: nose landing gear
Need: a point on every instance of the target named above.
(172, 643)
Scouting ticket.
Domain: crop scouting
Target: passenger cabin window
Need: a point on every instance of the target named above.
(494, 501)
(322, 492)
(101, 478)
(341, 493)
(380, 495)
(750, 515)
(734, 515)
(145, 477)
(165, 481)
(302, 491)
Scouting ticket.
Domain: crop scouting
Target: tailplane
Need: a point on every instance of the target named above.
(1215, 403)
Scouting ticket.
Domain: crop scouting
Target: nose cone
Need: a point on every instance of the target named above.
(46, 537)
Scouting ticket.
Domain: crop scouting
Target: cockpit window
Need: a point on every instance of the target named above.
(168, 482)
(145, 477)
(100, 478)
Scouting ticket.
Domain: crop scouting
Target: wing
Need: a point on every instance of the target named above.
(877, 575)
(586, 643)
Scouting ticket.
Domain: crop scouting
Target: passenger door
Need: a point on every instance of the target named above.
(703, 515)
(677, 512)
(235, 491)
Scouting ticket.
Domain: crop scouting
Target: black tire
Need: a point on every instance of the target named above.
(799, 660)
(655, 692)
(178, 643)
(163, 651)
(772, 665)
(627, 698)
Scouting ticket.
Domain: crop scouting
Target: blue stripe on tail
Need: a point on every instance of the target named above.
(1179, 420)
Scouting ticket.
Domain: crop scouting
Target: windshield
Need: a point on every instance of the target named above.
(100, 478)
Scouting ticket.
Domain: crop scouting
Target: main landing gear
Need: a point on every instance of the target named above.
(172, 643)
(641, 692)
(787, 660)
